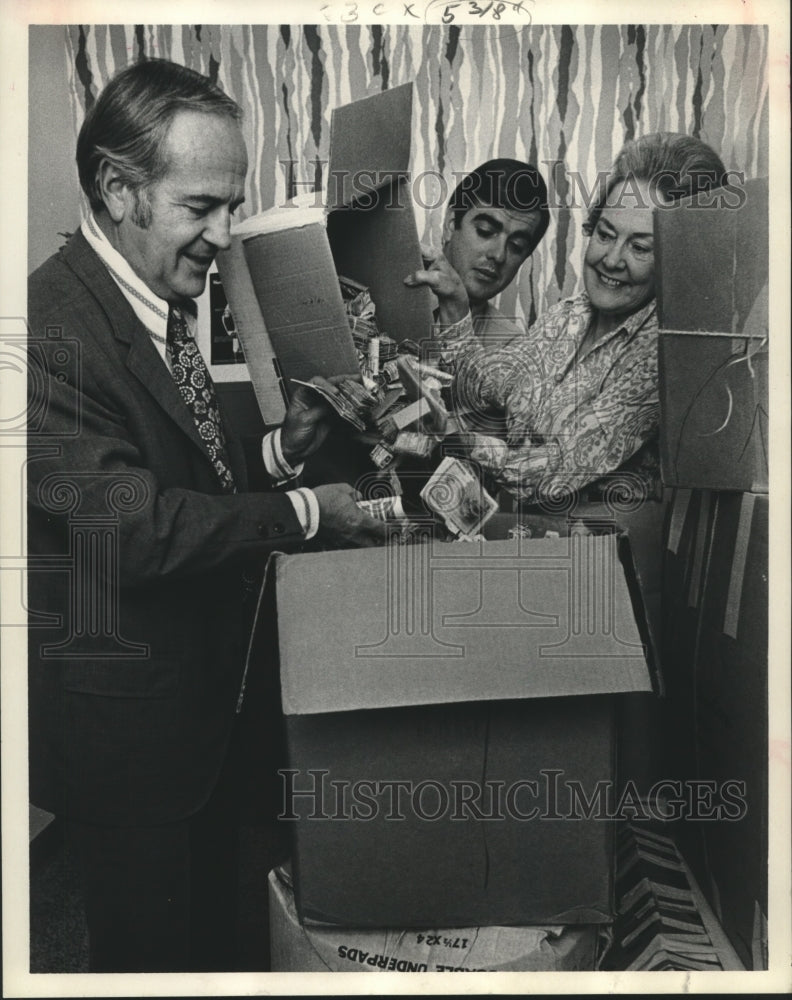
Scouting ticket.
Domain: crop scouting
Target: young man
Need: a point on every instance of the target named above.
(138, 640)
(496, 217)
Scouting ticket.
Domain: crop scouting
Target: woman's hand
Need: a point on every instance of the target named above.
(486, 451)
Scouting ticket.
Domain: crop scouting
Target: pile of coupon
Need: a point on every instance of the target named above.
(400, 406)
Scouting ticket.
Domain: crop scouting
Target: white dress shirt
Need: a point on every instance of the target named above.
(152, 312)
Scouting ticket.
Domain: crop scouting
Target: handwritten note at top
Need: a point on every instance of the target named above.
(505, 12)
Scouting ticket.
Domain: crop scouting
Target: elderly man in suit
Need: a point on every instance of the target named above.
(138, 634)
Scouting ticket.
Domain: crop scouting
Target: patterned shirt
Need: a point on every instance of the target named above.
(494, 329)
(560, 419)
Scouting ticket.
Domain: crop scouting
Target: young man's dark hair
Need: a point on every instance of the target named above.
(503, 183)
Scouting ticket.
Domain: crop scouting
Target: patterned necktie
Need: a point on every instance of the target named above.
(195, 384)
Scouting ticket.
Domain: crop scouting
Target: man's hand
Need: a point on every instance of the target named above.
(342, 522)
(443, 280)
(307, 420)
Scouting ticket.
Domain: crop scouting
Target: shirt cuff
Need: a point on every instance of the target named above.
(274, 462)
(461, 330)
(306, 507)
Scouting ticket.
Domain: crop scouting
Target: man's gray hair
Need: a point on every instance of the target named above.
(129, 123)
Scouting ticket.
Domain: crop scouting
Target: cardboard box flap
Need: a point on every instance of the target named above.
(712, 258)
(295, 253)
(645, 590)
(371, 223)
(714, 404)
(291, 216)
(296, 285)
(370, 144)
(379, 246)
(455, 622)
(260, 355)
(712, 299)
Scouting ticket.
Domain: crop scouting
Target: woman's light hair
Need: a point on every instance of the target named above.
(674, 165)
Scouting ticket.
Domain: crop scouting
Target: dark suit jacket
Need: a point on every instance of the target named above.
(139, 563)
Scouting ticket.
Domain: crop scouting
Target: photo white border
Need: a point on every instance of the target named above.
(15, 17)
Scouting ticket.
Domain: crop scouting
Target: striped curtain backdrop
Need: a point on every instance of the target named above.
(563, 97)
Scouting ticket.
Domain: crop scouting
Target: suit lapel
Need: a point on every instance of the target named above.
(142, 358)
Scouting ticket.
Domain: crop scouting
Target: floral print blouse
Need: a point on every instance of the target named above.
(551, 419)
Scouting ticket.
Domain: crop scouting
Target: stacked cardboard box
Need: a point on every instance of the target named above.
(426, 789)
(299, 947)
(712, 294)
(392, 692)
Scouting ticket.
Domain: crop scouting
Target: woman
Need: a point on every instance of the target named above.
(576, 398)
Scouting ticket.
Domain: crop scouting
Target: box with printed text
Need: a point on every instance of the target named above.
(297, 947)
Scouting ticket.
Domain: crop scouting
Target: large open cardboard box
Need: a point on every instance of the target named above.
(481, 676)
(281, 272)
(712, 296)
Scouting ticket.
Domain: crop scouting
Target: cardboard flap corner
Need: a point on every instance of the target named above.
(712, 257)
(370, 140)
